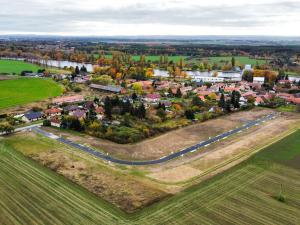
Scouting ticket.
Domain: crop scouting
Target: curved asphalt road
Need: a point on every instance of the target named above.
(163, 159)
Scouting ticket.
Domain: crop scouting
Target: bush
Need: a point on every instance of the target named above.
(46, 123)
(77, 89)
(123, 135)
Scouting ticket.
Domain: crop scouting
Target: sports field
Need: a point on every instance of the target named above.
(16, 67)
(26, 90)
(245, 194)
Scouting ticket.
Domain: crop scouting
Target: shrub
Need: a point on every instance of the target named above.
(46, 123)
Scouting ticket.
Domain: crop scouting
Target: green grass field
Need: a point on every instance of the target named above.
(16, 67)
(239, 60)
(245, 194)
(26, 90)
(151, 57)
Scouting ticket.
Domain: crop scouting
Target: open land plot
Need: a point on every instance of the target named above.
(160, 146)
(26, 90)
(222, 155)
(16, 67)
(245, 194)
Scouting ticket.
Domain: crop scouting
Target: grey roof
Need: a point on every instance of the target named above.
(110, 88)
(33, 115)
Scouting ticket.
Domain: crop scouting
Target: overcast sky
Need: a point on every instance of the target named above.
(150, 17)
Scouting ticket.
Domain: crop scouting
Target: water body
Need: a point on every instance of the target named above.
(157, 72)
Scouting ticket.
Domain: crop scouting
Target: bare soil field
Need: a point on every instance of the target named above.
(172, 141)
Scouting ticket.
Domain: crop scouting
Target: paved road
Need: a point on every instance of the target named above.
(193, 148)
(25, 128)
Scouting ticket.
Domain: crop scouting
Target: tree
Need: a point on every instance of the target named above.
(233, 62)
(91, 114)
(138, 88)
(141, 112)
(248, 76)
(77, 71)
(228, 105)
(196, 101)
(162, 114)
(235, 99)
(83, 69)
(189, 114)
(178, 93)
(46, 123)
(161, 106)
(222, 102)
(6, 128)
(108, 107)
(134, 96)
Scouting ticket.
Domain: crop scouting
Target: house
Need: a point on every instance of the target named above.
(71, 108)
(78, 114)
(89, 105)
(260, 80)
(294, 100)
(68, 99)
(152, 97)
(55, 122)
(52, 112)
(259, 101)
(109, 88)
(32, 116)
(166, 103)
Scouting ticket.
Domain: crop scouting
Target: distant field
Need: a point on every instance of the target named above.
(245, 194)
(26, 90)
(16, 67)
(239, 60)
(152, 57)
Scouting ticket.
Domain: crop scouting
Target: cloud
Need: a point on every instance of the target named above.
(114, 16)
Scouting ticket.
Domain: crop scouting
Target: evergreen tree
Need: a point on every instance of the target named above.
(189, 114)
(196, 101)
(108, 107)
(77, 71)
(141, 111)
(134, 96)
(222, 102)
(178, 93)
(233, 62)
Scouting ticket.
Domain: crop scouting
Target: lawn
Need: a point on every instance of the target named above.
(287, 108)
(26, 90)
(16, 67)
(245, 194)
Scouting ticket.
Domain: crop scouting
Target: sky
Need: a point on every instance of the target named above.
(150, 17)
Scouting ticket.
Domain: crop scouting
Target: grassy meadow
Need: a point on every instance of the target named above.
(245, 194)
(26, 90)
(16, 67)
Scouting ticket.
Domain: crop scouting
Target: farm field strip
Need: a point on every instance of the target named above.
(24, 178)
